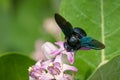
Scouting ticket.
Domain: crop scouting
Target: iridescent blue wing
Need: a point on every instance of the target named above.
(65, 26)
(91, 43)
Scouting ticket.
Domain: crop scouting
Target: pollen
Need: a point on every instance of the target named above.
(51, 64)
(30, 69)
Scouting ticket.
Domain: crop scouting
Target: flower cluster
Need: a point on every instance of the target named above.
(53, 67)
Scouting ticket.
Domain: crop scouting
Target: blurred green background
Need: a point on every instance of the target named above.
(21, 23)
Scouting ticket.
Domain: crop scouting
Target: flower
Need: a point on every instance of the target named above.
(52, 66)
(38, 71)
(51, 69)
(57, 68)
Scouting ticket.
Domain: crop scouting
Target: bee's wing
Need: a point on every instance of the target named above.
(65, 26)
(91, 43)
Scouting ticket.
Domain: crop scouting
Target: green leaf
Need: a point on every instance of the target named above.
(14, 67)
(109, 71)
(100, 19)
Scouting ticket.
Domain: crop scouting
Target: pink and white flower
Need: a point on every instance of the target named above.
(51, 69)
(38, 72)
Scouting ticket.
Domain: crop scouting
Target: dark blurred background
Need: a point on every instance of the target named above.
(21, 23)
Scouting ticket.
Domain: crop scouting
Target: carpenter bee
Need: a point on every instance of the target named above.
(76, 38)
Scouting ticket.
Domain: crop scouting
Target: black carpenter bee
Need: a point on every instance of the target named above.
(76, 38)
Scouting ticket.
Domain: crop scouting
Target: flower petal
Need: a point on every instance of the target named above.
(46, 77)
(70, 56)
(58, 58)
(60, 77)
(39, 63)
(60, 43)
(56, 52)
(30, 78)
(47, 48)
(68, 67)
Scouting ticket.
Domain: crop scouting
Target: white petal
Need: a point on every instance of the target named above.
(58, 58)
(47, 48)
(30, 78)
(68, 67)
(38, 63)
(47, 77)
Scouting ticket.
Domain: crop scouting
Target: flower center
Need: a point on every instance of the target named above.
(54, 68)
(36, 72)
